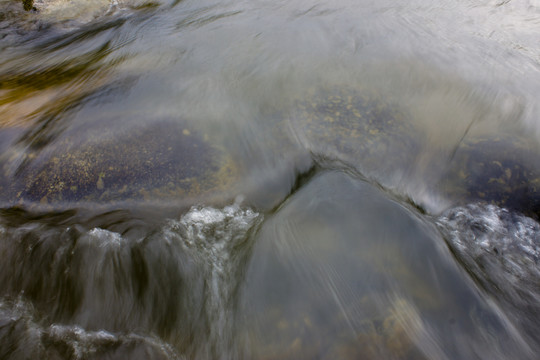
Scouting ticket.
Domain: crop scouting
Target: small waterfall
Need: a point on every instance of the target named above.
(168, 291)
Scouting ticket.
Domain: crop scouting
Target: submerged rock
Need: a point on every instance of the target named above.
(358, 128)
(365, 133)
(163, 161)
(500, 171)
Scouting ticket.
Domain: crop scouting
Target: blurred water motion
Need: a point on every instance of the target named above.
(343, 272)
(287, 179)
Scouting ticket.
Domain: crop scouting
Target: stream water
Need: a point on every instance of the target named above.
(202, 179)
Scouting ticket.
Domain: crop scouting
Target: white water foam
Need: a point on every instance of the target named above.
(218, 239)
(501, 251)
(476, 230)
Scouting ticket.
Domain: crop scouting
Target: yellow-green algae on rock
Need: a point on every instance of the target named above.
(356, 126)
(163, 162)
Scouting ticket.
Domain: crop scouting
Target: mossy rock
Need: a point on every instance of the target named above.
(500, 171)
(164, 161)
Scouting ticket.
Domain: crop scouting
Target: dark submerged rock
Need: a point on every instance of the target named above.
(504, 172)
(162, 161)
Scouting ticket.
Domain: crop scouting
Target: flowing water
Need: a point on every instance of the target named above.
(201, 179)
